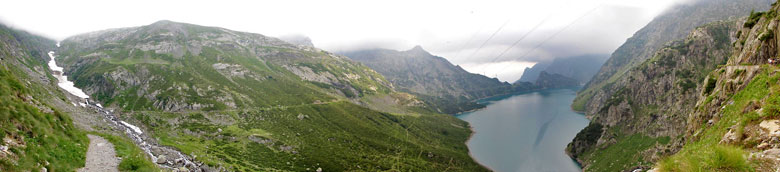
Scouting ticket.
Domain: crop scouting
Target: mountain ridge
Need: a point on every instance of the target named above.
(446, 87)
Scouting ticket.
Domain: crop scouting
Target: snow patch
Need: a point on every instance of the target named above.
(63, 80)
(133, 127)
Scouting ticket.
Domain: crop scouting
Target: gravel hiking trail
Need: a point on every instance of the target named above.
(100, 156)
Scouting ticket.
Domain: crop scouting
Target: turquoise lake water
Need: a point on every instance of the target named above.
(526, 132)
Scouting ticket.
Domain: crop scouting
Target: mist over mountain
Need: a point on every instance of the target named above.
(581, 68)
(447, 87)
(297, 40)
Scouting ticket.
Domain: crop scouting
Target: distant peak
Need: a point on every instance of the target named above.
(163, 22)
(417, 48)
(169, 23)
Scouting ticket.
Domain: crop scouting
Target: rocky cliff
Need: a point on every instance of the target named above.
(645, 111)
(672, 25)
(736, 112)
(650, 106)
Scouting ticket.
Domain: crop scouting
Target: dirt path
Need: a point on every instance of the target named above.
(100, 155)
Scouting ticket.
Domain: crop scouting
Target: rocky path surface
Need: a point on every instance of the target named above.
(100, 156)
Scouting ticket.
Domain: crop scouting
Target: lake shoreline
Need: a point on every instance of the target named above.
(471, 155)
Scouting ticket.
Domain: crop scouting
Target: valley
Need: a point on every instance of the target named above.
(694, 87)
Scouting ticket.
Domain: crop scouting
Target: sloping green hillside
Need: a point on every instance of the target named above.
(248, 102)
(35, 134)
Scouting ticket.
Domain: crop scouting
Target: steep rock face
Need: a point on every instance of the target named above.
(448, 88)
(247, 102)
(548, 81)
(739, 107)
(674, 24)
(652, 101)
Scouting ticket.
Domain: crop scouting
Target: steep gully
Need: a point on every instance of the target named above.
(164, 156)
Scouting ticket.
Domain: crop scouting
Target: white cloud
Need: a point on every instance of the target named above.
(509, 71)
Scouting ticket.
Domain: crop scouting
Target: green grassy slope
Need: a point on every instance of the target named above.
(36, 134)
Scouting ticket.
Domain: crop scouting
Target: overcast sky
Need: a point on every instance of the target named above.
(452, 29)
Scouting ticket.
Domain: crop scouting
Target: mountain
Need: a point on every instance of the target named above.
(530, 74)
(445, 87)
(548, 81)
(248, 102)
(651, 110)
(581, 68)
(673, 24)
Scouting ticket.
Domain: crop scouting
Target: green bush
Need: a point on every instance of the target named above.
(753, 19)
(766, 35)
(710, 85)
(708, 158)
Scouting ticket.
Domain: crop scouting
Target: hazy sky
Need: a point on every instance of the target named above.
(452, 29)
